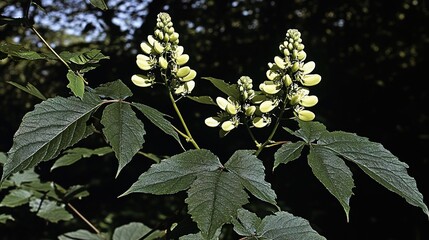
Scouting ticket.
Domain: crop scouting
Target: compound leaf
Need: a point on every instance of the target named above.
(333, 173)
(203, 99)
(284, 225)
(19, 51)
(213, 199)
(309, 131)
(5, 217)
(75, 154)
(288, 152)
(133, 231)
(250, 171)
(176, 173)
(52, 126)
(379, 163)
(228, 89)
(124, 131)
(16, 197)
(115, 90)
(246, 223)
(76, 84)
(80, 234)
(158, 119)
(29, 88)
(50, 210)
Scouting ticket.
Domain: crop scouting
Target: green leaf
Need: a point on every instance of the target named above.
(158, 119)
(284, 225)
(199, 236)
(309, 131)
(23, 177)
(50, 210)
(75, 154)
(115, 90)
(228, 89)
(75, 192)
(124, 132)
(99, 4)
(52, 126)
(175, 174)
(246, 223)
(30, 89)
(213, 199)
(19, 51)
(202, 99)
(379, 163)
(80, 234)
(134, 231)
(3, 158)
(92, 56)
(16, 197)
(76, 84)
(333, 173)
(288, 152)
(250, 171)
(5, 217)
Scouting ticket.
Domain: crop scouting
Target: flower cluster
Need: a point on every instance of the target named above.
(290, 75)
(162, 51)
(288, 79)
(246, 107)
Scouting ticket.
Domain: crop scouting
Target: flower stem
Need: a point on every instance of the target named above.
(276, 125)
(182, 120)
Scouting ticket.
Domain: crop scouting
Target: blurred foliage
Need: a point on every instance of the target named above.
(371, 56)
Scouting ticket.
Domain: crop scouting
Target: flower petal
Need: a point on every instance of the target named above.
(308, 67)
(311, 80)
(308, 101)
(141, 80)
(212, 121)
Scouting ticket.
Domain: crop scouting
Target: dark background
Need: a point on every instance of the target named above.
(371, 56)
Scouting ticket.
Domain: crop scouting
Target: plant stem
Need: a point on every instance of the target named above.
(50, 48)
(83, 218)
(182, 120)
(252, 135)
(276, 125)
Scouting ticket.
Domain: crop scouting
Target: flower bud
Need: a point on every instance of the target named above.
(212, 121)
(250, 111)
(163, 62)
(295, 67)
(311, 79)
(308, 101)
(305, 115)
(302, 55)
(143, 64)
(308, 67)
(222, 102)
(151, 40)
(158, 47)
(260, 122)
(231, 109)
(228, 126)
(287, 80)
(267, 106)
(146, 47)
(271, 75)
(269, 87)
(192, 74)
(142, 80)
(280, 62)
(183, 71)
(182, 59)
(174, 36)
